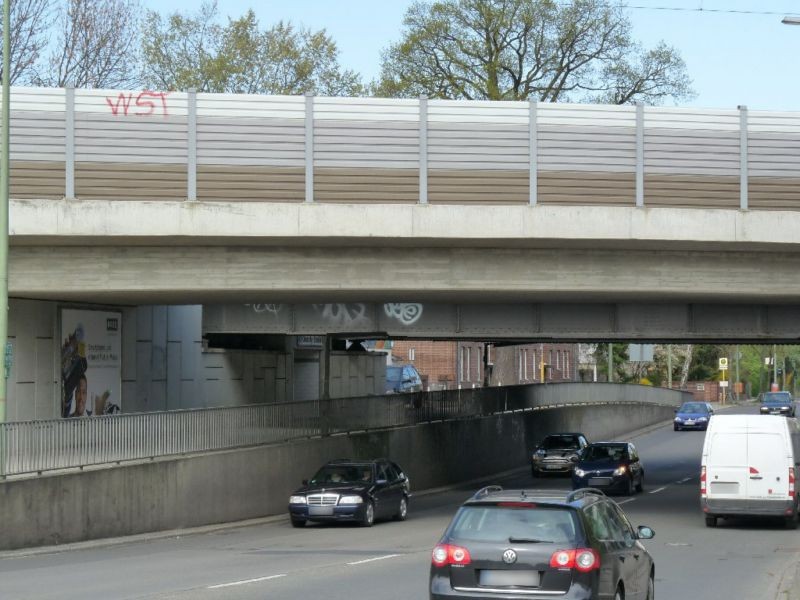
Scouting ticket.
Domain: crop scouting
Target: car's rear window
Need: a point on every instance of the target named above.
(777, 397)
(493, 523)
(560, 441)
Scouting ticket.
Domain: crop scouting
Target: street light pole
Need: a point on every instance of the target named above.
(5, 174)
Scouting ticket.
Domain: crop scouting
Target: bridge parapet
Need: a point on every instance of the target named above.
(145, 145)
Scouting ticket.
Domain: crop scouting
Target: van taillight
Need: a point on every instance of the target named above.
(447, 554)
(703, 480)
(791, 482)
(581, 559)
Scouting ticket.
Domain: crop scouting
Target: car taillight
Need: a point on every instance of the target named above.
(791, 482)
(447, 554)
(580, 559)
(703, 480)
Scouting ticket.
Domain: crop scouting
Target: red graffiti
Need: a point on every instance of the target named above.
(141, 105)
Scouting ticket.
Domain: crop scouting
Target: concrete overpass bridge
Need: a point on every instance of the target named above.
(509, 218)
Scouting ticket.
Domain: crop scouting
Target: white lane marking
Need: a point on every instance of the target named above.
(628, 500)
(661, 489)
(245, 581)
(684, 480)
(361, 562)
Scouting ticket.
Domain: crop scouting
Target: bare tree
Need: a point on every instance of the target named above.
(687, 361)
(97, 47)
(30, 20)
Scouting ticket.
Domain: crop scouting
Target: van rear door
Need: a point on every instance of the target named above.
(726, 467)
(768, 465)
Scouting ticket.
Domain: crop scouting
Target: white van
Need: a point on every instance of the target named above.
(749, 467)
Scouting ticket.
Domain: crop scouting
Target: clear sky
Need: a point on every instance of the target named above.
(732, 58)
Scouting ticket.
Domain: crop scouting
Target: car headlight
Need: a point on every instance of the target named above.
(580, 472)
(678, 420)
(764, 409)
(703, 419)
(297, 499)
(351, 500)
(620, 470)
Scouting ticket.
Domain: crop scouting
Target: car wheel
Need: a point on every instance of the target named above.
(369, 515)
(298, 523)
(640, 485)
(711, 521)
(630, 488)
(534, 473)
(651, 588)
(402, 510)
(676, 428)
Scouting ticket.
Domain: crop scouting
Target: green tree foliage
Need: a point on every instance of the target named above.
(705, 363)
(184, 51)
(620, 360)
(581, 50)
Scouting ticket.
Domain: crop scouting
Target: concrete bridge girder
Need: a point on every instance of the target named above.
(679, 322)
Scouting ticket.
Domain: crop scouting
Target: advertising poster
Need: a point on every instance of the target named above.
(91, 363)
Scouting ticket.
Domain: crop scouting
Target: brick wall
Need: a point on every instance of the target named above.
(522, 364)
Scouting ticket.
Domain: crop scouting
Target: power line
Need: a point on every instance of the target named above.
(710, 10)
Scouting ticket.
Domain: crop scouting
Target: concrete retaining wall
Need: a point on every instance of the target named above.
(235, 485)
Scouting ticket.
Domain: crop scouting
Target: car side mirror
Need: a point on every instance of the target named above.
(575, 457)
(675, 411)
(305, 482)
(645, 533)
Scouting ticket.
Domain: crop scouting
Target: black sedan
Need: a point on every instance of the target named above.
(612, 466)
(352, 490)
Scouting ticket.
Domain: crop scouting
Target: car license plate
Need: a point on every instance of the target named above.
(689, 423)
(599, 481)
(320, 511)
(501, 578)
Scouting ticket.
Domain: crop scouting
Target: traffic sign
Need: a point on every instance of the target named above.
(723, 364)
(723, 384)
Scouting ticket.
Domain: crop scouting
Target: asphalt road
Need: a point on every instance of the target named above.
(741, 560)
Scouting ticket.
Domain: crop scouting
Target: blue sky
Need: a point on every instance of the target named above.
(733, 59)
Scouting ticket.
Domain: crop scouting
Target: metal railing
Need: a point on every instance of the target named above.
(38, 446)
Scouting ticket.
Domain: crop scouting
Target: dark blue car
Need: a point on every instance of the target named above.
(777, 403)
(609, 466)
(692, 415)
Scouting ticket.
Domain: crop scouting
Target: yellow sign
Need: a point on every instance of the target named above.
(723, 364)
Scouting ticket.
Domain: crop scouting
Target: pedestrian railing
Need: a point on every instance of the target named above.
(38, 446)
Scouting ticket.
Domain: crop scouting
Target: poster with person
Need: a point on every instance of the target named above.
(91, 362)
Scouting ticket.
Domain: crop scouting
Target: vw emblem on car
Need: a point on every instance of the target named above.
(509, 557)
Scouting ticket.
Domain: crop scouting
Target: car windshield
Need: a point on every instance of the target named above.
(501, 523)
(604, 453)
(781, 397)
(560, 441)
(343, 474)
(693, 408)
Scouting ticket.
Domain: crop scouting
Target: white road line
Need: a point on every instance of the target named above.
(628, 500)
(245, 581)
(684, 480)
(361, 562)
(661, 489)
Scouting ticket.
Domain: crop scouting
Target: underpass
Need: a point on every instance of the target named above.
(740, 559)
